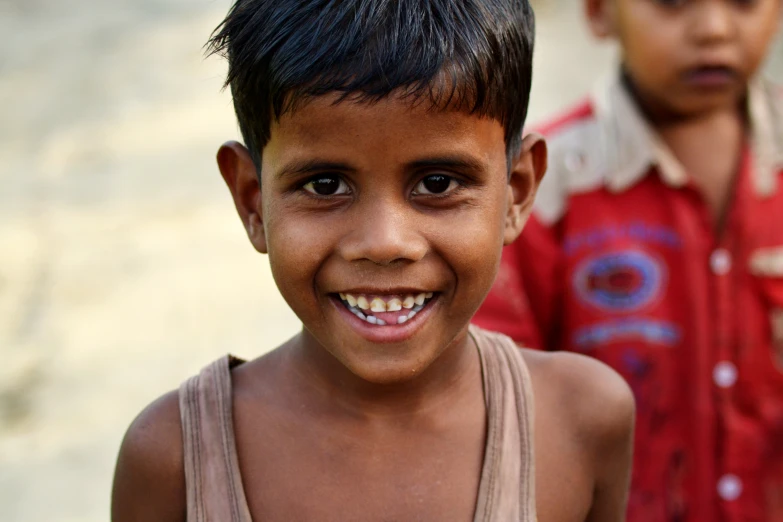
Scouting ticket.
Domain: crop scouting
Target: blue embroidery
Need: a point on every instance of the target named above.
(638, 232)
(634, 364)
(646, 330)
(622, 282)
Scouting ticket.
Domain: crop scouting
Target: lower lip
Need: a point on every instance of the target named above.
(711, 78)
(392, 333)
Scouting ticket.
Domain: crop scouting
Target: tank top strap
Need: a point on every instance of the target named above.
(507, 489)
(212, 476)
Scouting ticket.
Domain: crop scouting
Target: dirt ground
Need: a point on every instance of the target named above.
(123, 268)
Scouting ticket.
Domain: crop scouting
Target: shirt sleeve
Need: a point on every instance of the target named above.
(525, 300)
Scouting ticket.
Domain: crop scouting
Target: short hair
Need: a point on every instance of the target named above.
(473, 55)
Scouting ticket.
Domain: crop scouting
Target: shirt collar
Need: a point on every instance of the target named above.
(630, 146)
(765, 106)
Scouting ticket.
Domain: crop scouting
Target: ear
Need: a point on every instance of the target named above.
(526, 175)
(239, 172)
(600, 18)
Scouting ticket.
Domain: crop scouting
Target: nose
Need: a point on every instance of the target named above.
(712, 22)
(384, 233)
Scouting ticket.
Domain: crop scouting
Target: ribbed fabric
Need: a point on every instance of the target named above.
(212, 477)
(506, 492)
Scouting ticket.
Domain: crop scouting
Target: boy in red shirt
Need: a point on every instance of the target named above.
(656, 246)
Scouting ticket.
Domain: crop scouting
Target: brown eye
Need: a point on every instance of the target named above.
(436, 184)
(326, 186)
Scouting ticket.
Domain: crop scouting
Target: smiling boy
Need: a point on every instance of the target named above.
(384, 172)
(656, 246)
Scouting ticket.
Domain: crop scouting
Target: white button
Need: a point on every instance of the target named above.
(725, 374)
(720, 262)
(729, 487)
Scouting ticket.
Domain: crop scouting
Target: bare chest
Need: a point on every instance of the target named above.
(715, 181)
(323, 474)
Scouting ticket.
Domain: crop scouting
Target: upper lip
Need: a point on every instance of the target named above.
(385, 291)
(727, 65)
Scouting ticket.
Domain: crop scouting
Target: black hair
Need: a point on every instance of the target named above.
(474, 55)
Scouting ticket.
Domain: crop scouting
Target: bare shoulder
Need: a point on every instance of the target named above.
(585, 413)
(593, 400)
(149, 480)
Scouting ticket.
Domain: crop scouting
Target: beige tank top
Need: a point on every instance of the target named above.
(506, 490)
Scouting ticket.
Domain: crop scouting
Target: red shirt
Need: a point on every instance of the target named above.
(621, 261)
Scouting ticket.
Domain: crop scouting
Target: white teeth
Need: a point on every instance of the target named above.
(378, 305)
(360, 304)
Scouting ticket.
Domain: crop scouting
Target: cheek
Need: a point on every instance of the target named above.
(651, 47)
(297, 245)
(650, 54)
(758, 33)
(475, 242)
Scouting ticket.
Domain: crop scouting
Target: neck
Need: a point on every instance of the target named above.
(708, 145)
(451, 377)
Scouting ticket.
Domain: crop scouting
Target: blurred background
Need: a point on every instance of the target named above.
(123, 267)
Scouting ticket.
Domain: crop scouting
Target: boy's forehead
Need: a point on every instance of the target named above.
(393, 126)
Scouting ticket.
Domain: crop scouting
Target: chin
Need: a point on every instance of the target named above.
(388, 371)
(709, 102)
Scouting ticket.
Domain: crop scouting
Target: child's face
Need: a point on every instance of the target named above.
(384, 205)
(689, 56)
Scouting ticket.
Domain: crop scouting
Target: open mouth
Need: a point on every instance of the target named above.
(386, 310)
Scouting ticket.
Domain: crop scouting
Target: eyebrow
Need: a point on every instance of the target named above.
(458, 162)
(298, 168)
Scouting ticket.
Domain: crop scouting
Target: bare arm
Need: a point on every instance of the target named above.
(149, 480)
(584, 422)
(613, 450)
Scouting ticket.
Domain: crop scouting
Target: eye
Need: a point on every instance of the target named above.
(327, 185)
(436, 184)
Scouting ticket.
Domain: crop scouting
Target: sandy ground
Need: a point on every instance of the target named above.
(123, 268)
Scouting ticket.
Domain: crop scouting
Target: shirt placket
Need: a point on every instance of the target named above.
(725, 371)
(704, 288)
(720, 354)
